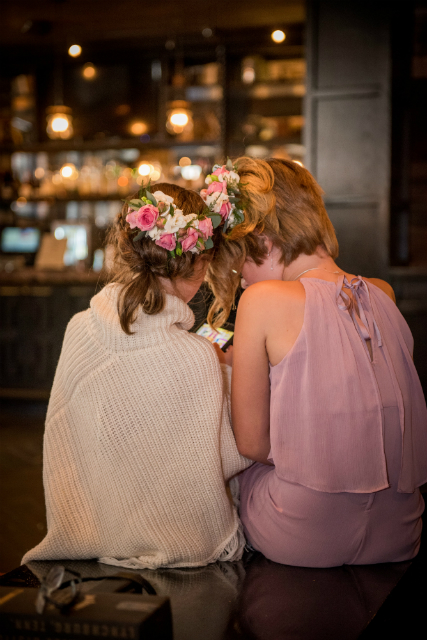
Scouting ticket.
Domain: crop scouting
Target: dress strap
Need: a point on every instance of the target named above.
(359, 307)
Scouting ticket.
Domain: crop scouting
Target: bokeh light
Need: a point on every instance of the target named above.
(278, 36)
(75, 50)
(89, 71)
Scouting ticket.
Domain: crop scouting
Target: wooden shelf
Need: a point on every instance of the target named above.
(106, 144)
(71, 198)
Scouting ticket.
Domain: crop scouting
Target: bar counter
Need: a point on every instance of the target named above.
(35, 308)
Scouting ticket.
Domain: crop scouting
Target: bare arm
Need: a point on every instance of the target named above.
(250, 387)
(384, 286)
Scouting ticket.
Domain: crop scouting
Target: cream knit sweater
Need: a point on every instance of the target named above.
(138, 445)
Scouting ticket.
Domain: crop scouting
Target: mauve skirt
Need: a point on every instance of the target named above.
(294, 525)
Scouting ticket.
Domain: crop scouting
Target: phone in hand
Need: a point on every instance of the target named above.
(223, 337)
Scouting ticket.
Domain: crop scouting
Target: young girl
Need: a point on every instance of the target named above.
(138, 445)
(325, 396)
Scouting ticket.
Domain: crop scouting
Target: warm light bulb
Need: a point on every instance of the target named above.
(122, 181)
(89, 71)
(59, 123)
(75, 50)
(39, 173)
(248, 75)
(66, 172)
(138, 128)
(144, 169)
(179, 119)
(278, 36)
(184, 162)
(69, 171)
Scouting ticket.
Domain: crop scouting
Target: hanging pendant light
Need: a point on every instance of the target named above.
(59, 123)
(59, 118)
(179, 117)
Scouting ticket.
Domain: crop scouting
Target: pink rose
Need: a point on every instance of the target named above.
(190, 241)
(203, 193)
(162, 207)
(160, 223)
(219, 171)
(132, 218)
(167, 241)
(145, 218)
(225, 210)
(206, 228)
(217, 186)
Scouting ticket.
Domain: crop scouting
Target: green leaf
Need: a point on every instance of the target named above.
(139, 236)
(214, 178)
(178, 249)
(172, 253)
(171, 210)
(209, 243)
(136, 202)
(216, 219)
(151, 197)
(225, 226)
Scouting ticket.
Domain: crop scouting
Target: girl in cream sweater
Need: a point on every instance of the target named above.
(138, 446)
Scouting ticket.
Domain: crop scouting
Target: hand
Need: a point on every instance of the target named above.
(225, 357)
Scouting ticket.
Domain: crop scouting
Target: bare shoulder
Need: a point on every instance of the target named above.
(265, 298)
(272, 290)
(384, 286)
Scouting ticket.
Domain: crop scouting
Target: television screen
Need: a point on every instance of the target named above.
(16, 240)
(77, 240)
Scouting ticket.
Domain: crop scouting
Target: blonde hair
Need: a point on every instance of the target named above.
(282, 201)
(138, 266)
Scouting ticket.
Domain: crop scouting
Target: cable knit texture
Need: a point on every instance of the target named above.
(138, 445)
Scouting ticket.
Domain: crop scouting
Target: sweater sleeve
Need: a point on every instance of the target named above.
(232, 462)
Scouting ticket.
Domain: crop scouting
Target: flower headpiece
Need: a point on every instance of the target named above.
(157, 216)
(223, 194)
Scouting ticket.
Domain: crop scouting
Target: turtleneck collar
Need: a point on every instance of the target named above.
(104, 324)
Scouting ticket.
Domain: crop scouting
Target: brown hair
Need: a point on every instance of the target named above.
(282, 201)
(138, 266)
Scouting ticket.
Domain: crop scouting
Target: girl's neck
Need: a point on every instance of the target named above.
(314, 266)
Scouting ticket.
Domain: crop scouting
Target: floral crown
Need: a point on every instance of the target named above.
(223, 194)
(157, 216)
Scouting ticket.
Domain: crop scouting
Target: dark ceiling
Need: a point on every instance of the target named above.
(47, 23)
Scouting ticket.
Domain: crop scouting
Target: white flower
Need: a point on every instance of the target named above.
(232, 176)
(172, 224)
(155, 233)
(216, 200)
(208, 180)
(162, 197)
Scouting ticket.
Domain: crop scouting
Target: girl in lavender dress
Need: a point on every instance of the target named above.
(325, 395)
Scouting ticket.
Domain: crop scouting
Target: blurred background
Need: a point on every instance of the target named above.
(96, 97)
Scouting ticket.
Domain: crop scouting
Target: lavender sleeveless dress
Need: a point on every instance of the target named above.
(348, 438)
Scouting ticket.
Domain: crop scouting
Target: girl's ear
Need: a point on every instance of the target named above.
(267, 242)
